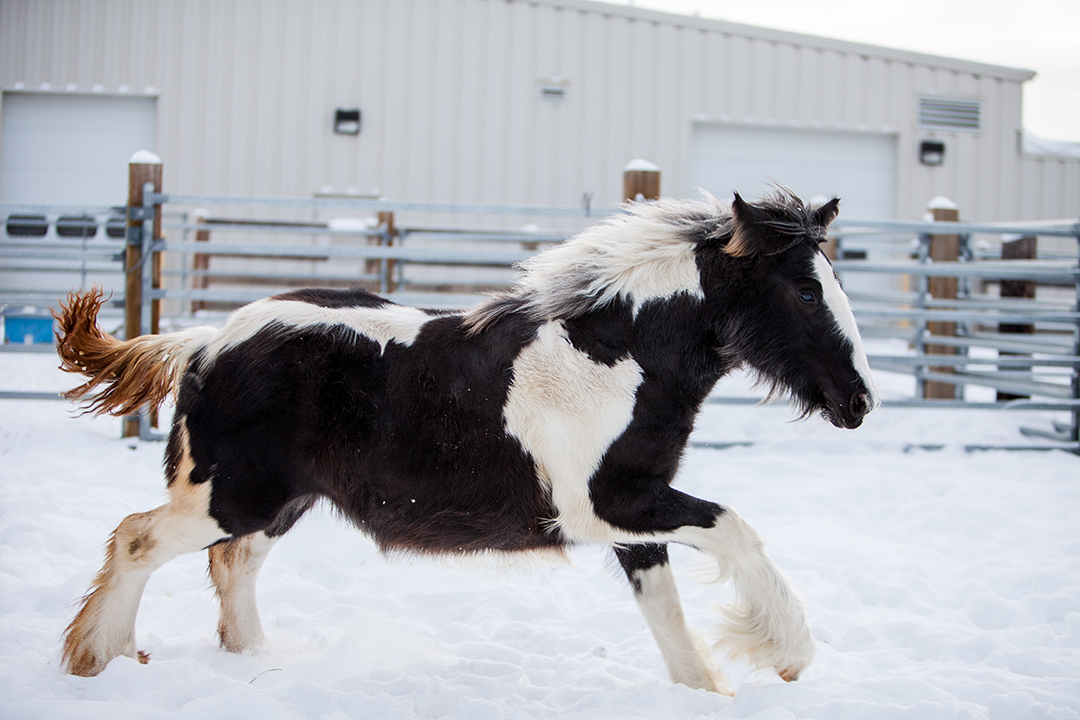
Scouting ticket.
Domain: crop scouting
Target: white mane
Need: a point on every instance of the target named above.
(643, 254)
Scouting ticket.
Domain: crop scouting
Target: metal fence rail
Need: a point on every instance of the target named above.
(1043, 365)
(53, 247)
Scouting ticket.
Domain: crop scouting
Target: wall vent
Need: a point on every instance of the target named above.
(939, 113)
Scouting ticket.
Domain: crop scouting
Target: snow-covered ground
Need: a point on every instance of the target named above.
(940, 584)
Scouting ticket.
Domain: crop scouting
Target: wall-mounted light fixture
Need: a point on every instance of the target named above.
(932, 152)
(553, 90)
(347, 121)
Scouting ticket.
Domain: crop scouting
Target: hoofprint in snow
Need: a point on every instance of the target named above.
(939, 585)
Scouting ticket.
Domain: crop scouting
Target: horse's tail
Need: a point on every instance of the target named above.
(132, 373)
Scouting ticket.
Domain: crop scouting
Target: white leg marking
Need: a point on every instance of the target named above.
(234, 568)
(768, 623)
(143, 542)
(837, 302)
(688, 660)
(566, 410)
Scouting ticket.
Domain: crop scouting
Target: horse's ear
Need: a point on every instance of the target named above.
(749, 235)
(825, 214)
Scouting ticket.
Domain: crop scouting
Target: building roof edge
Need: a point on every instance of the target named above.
(784, 36)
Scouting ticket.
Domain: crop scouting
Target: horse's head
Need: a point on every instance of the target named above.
(788, 317)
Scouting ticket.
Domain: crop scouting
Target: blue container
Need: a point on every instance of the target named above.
(28, 326)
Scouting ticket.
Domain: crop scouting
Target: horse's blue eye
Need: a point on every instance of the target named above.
(807, 296)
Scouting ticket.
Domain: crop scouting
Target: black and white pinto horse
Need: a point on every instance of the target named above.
(553, 414)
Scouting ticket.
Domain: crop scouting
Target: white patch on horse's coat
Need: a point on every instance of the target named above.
(382, 324)
(566, 410)
(840, 307)
(688, 660)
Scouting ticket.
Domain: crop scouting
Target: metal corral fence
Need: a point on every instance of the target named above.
(974, 319)
(961, 329)
(46, 250)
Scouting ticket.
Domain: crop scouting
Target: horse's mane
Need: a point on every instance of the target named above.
(642, 251)
(645, 251)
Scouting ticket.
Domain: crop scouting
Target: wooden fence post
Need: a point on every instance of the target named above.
(641, 181)
(1025, 248)
(144, 167)
(387, 265)
(200, 264)
(943, 248)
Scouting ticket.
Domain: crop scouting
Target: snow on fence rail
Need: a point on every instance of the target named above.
(962, 334)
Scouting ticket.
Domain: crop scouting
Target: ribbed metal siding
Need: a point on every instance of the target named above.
(450, 94)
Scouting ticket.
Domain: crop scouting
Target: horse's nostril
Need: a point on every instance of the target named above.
(860, 404)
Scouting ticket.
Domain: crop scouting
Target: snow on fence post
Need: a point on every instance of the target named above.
(943, 248)
(143, 168)
(641, 181)
(1022, 248)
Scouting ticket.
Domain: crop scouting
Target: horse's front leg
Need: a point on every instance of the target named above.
(768, 623)
(688, 660)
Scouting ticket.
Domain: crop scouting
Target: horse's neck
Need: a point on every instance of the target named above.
(674, 340)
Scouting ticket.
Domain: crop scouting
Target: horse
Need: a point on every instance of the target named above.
(550, 414)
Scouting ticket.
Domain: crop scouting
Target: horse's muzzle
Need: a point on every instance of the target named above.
(850, 413)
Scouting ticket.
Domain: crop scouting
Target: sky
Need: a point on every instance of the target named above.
(1039, 35)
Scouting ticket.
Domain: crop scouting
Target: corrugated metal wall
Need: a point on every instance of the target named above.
(450, 95)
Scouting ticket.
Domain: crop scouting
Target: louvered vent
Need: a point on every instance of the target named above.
(950, 114)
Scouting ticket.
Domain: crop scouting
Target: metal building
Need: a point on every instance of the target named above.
(537, 101)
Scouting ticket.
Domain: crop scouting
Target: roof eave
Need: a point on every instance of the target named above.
(792, 38)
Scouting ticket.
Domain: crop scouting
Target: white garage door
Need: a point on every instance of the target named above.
(72, 149)
(859, 168)
(68, 150)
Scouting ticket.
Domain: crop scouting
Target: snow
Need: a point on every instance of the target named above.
(639, 165)
(942, 203)
(1035, 145)
(351, 225)
(144, 157)
(939, 584)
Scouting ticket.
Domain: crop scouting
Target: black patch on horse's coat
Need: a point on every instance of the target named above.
(605, 334)
(679, 366)
(634, 558)
(335, 297)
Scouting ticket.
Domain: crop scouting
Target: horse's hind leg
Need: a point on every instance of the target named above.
(234, 569)
(143, 542)
(688, 660)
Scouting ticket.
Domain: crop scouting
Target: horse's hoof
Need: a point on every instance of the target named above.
(789, 674)
(143, 657)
